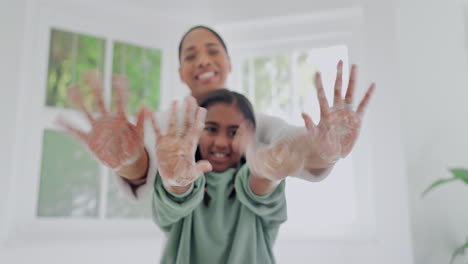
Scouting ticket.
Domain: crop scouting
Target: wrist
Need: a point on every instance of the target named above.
(261, 185)
(319, 161)
(319, 168)
(136, 170)
(175, 189)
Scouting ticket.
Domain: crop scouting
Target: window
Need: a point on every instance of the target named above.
(280, 83)
(72, 183)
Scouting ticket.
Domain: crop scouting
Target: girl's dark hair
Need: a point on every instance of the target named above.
(204, 27)
(230, 98)
(242, 104)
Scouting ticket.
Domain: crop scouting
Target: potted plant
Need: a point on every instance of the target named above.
(457, 175)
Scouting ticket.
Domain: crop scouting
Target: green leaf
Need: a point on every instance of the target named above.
(461, 174)
(435, 184)
(459, 251)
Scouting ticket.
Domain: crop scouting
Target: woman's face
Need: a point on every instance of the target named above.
(204, 64)
(221, 124)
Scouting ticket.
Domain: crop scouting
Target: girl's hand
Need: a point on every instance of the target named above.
(273, 162)
(175, 150)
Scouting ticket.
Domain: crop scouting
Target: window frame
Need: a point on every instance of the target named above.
(23, 224)
(339, 27)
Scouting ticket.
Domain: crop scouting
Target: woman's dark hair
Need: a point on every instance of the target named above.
(242, 104)
(204, 27)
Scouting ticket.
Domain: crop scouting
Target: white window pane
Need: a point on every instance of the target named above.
(69, 185)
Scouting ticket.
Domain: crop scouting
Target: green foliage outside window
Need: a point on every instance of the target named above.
(142, 66)
(70, 177)
(283, 82)
(272, 80)
(264, 69)
(70, 55)
(305, 75)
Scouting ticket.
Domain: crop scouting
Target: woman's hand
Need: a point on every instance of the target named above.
(321, 146)
(175, 150)
(115, 141)
(334, 137)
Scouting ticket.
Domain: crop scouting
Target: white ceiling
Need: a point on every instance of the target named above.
(221, 11)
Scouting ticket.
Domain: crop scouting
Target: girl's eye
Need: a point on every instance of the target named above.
(232, 133)
(210, 129)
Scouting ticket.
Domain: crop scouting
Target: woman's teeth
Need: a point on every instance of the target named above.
(206, 75)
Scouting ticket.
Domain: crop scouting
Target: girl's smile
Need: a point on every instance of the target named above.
(222, 122)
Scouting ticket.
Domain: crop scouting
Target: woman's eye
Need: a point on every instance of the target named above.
(190, 57)
(213, 52)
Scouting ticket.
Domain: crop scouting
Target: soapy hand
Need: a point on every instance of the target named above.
(175, 150)
(273, 162)
(335, 135)
(113, 139)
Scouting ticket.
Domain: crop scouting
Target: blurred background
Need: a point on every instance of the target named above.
(57, 204)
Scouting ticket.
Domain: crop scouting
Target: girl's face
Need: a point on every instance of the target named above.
(222, 122)
(204, 64)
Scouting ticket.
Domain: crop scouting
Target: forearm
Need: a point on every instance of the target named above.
(169, 208)
(138, 170)
(261, 186)
(319, 171)
(313, 174)
(316, 165)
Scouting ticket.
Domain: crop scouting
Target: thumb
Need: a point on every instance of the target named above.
(140, 124)
(71, 129)
(203, 166)
(308, 122)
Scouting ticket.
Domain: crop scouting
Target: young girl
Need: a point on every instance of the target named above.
(211, 205)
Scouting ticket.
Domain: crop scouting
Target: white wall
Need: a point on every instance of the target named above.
(415, 50)
(380, 64)
(12, 21)
(434, 111)
(232, 11)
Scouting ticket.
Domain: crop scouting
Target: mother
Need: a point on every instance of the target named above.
(205, 66)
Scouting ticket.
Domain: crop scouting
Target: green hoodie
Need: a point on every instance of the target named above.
(228, 231)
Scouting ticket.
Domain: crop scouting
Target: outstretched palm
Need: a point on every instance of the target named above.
(175, 150)
(113, 139)
(338, 130)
